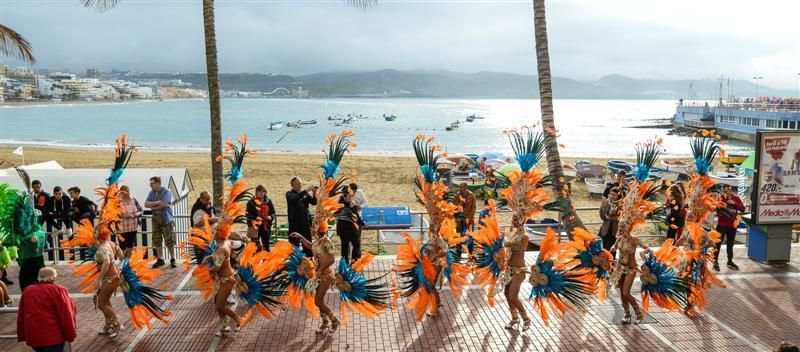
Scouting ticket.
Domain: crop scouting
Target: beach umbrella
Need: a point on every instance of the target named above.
(749, 163)
(504, 169)
(445, 164)
(496, 163)
(490, 156)
(459, 158)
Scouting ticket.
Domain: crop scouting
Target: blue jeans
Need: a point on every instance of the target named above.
(53, 348)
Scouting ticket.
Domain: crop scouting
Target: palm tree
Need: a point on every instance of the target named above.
(15, 45)
(569, 217)
(212, 72)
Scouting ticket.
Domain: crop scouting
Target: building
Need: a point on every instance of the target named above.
(300, 93)
(740, 120)
(92, 73)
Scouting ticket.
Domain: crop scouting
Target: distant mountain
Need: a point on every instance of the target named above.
(484, 84)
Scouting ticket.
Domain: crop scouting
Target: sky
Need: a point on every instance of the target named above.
(675, 39)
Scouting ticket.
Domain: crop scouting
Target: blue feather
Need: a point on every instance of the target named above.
(527, 161)
(702, 165)
(486, 258)
(235, 174)
(642, 172)
(330, 168)
(357, 281)
(292, 264)
(555, 281)
(134, 296)
(116, 174)
(428, 173)
(253, 294)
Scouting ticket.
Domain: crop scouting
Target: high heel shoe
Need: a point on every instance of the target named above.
(512, 325)
(334, 324)
(324, 326)
(116, 329)
(639, 317)
(526, 324)
(627, 319)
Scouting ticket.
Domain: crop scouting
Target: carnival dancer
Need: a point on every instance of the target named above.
(422, 267)
(21, 235)
(698, 240)
(103, 275)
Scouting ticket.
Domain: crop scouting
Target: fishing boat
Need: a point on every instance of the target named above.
(456, 123)
(450, 128)
(389, 117)
(275, 125)
(679, 166)
(732, 180)
(616, 166)
(595, 185)
(308, 122)
(570, 172)
(295, 124)
(590, 170)
(733, 159)
(334, 118)
(663, 174)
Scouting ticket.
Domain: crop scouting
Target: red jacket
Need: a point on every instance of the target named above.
(46, 315)
(737, 206)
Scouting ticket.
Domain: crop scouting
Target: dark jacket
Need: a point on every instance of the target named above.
(297, 206)
(676, 220)
(253, 211)
(40, 202)
(83, 208)
(46, 315)
(58, 211)
(609, 213)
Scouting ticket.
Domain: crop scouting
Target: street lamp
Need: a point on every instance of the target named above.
(757, 78)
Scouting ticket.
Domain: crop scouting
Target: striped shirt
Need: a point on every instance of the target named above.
(129, 208)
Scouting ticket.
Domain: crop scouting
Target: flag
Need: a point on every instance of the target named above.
(18, 151)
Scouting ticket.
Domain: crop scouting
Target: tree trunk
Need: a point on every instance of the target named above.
(212, 72)
(569, 217)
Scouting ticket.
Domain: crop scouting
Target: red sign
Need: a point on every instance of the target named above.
(776, 147)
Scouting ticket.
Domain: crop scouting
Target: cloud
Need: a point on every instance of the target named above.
(588, 39)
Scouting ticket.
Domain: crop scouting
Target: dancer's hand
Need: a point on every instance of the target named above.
(295, 235)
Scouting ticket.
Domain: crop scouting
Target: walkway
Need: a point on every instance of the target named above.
(758, 310)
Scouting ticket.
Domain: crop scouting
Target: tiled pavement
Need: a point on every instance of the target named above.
(759, 309)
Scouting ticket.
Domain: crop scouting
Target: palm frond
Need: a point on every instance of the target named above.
(15, 45)
(363, 4)
(100, 5)
(560, 205)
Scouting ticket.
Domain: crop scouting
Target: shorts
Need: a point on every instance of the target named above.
(128, 240)
(163, 234)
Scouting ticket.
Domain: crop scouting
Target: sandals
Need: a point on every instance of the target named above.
(334, 324)
(116, 330)
(512, 325)
(627, 319)
(526, 324)
(324, 326)
(639, 317)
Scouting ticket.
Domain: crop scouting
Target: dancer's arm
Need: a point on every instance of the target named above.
(302, 239)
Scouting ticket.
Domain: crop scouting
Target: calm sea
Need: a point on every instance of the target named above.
(591, 128)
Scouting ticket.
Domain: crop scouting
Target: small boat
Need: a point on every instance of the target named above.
(389, 117)
(679, 166)
(663, 174)
(583, 163)
(570, 173)
(456, 123)
(733, 159)
(293, 124)
(334, 118)
(616, 166)
(590, 171)
(732, 180)
(308, 122)
(276, 125)
(450, 128)
(595, 185)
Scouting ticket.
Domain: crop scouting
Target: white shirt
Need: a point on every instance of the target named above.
(359, 199)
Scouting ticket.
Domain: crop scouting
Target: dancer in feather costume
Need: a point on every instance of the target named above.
(635, 208)
(699, 239)
(328, 207)
(661, 282)
(586, 251)
(423, 267)
(102, 274)
(24, 236)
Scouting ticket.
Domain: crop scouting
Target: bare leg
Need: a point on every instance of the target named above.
(104, 304)
(513, 297)
(172, 253)
(221, 302)
(627, 285)
(4, 295)
(324, 310)
(623, 296)
(436, 299)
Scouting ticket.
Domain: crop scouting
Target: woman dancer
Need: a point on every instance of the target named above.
(225, 281)
(626, 245)
(322, 247)
(107, 283)
(516, 270)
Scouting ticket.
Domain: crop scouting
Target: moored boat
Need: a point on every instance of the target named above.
(679, 166)
(616, 166)
(391, 117)
(275, 125)
(733, 159)
(732, 180)
(308, 122)
(595, 185)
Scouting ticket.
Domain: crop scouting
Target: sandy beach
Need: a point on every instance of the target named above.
(386, 180)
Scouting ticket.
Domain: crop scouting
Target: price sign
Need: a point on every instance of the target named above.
(777, 192)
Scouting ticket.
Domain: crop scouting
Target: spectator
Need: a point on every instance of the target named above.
(46, 317)
(201, 209)
(82, 208)
(489, 187)
(131, 216)
(40, 200)
(484, 212)
(466, 200)
(58, 212)
(260, 217)
(297, 202)
(726, 224)
(609, 213)
(676, 212)
(348, 231)
(359, 200)
(620, 185)
(483, 165)
(159, 201)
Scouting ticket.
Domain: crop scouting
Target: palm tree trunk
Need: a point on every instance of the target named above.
(569, 217)
(214, 101)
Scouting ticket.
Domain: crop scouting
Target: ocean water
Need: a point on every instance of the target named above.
(589, 128)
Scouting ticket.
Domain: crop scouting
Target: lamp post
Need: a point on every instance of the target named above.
(756, 78)
(798, 84)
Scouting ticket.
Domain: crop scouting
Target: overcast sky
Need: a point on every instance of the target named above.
(675, 39)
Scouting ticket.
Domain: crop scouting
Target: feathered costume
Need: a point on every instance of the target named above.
(257, 283)
(661, 282)
(19, 224)
(144, 302)
(699, 244)
(555, 284)
(491, 257)
(367, 297)
(417, 272)
(586, 251)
